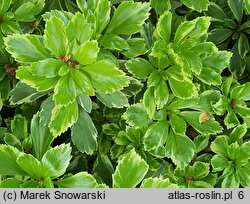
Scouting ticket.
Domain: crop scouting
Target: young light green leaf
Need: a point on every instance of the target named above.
(87, 52)
(31, 165)
(160, 6)
(64, 91)
(219, 163)
(62, 118)
(8, 157)
(79, 180)
(25, 48)
(84, 133)
(178, 124)
(198, 5)
(218, 60)
(157, 183)
(55, 36)
(106, 77)
(243, 174)
(149, 102)
(163, 27)
(128, 18)
(220, 146)
(136, 116)
(47, 68)
(174, 147)
(238, 133)
(243, 45)
(130, 171)
(137, 47)
(114, 42)
(113, 100)
(102, 15)
(210, 76)
(139, 67)
(201, 142)
(40, 83)
(5, 6)
(241, 92)
(82, 83)
(79, 29)
(40, 135)
(12, 140)
(161, 94)
(56, 160)
(156, 135)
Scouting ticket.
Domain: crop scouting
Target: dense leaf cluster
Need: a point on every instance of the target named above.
(115, 93)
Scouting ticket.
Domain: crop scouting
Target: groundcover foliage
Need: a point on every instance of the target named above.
(113, 93)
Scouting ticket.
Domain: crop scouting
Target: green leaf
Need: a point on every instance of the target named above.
(102, 15)
(216, 12)
(31, 165)
(47, 68)
(84, 133)
(62, 118)
(87, 52)
(139, 67)
(5, 6)
(220, 146)
(198, 171)
(130, 171)
(218, 60)
(160, 6)
(156, 135)
(19, 127)
(10, 27)
(40, 135)
(113, 100)
(149, 102)
(104, 168)
(230, 181)
(198, 5)
(128, 18)
(23, 93)
(114, 42)
(163, 27)
(157, 183)
(241, 92)
(106, 77)
(64, 91)
(137, 47)
(210, 76)
(178, 124)
(209, 126)
(10, 183)
(8, 157)
(219, 35)
(25, 48)
(27, 11)
(236, 7)
(231, 119)
(219, 163)
(12, 140)
(161, 94)
(243, 111)
(201, 142)
(55, 36)
(243, 45)
(85, 102)
(79, 29)
(79, 180)
(238, 133)
(82, 83)
(40, 83)
(56, 160)
(192, 61)
(174, 147)
(136, 116)
(243, 174)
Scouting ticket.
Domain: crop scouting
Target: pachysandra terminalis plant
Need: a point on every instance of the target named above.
(124, 94)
